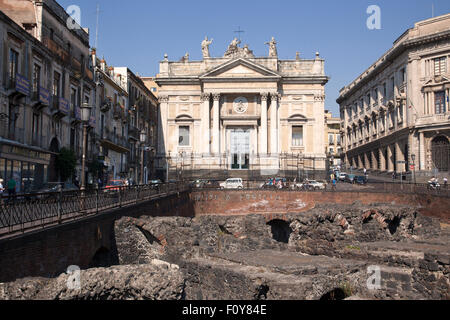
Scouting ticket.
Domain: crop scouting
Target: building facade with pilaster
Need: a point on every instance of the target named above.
(395, 116)
(241, 115)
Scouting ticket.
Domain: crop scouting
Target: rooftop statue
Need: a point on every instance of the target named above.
(205, 47)
(247, 53)
(272, 48)
(233, 48)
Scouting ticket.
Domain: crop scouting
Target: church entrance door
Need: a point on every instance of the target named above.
(240, 148)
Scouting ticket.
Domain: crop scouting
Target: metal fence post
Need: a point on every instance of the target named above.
(96, 201)
(120, 197)
(59, 206)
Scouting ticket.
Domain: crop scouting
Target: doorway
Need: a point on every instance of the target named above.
(240, 148)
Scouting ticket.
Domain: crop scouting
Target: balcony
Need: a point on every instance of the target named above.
(114, 141)
(18, 86)
(434, 119)
(89, 74)
(40, 98)
(117, 112)
(60, 107)
(106, 105)
(57, 50)
(134, 133)
(76, 114)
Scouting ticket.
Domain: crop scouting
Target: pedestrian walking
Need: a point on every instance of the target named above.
(445, 182)
(333, 186)
(393, 175)
(1, 191)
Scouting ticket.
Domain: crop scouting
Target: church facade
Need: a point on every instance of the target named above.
(241, 115)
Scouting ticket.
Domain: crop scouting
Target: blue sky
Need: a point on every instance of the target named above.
(137, 33)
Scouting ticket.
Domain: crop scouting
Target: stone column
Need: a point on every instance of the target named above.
(162, 125)
(206, 123)
(381, 159)
(421, 151)
(273, 123)
(215, 133)
(390, 160)
(263, 143)
(400, 157)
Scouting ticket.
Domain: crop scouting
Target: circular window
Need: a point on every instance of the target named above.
(240, 105)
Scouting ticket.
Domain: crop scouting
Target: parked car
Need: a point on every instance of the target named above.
(315, 185)
(199, 183)
(350, 178)
(212, 184)
(51, 190)
(297, 186)
(232, 183)
(115, 185)
(360, 180)
(342, 176)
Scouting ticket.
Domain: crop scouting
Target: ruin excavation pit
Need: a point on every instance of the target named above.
(322, 253)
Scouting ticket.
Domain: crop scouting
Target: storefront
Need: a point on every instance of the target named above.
(27, 166)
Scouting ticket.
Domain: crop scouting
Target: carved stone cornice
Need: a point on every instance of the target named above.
(205, 96)
(163, 99)
(319, 97)
(216, 96)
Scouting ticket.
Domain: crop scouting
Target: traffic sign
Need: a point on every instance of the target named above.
(411, 167)
(401, 161)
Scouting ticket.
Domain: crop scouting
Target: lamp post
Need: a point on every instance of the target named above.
(413, 158)
(143, 139)
(85, 116)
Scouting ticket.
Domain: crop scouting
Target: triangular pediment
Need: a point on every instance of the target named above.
(239, 69)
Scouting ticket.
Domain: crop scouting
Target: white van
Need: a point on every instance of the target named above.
(232, 183)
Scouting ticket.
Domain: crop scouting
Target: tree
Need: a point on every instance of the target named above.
(66, 161)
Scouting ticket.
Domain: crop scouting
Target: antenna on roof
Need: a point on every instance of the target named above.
(96, 28)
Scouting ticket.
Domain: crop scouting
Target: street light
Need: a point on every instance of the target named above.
(143, 139)
(85, 116)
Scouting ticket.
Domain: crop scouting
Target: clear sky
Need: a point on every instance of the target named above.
(137, 33)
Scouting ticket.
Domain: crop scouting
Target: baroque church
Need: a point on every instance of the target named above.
(241, 115)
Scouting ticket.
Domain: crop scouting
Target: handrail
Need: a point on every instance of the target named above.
(25, 212)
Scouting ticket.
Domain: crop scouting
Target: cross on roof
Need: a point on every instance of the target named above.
(239, 31)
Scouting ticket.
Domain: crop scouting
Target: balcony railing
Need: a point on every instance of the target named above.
(105, 106)
(60, 106)
(19, 85)
(430, 119)
(114, 139)
(134, 132)
(57, 50)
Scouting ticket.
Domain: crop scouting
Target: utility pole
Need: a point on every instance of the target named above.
(96, 28)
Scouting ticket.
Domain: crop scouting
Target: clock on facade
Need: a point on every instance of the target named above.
(240, 105)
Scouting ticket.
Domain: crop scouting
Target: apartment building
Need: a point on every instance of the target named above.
(46, 76)
(395, 116)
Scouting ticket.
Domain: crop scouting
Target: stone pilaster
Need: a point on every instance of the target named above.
(263, 144)
(273, 123)
(206, 123)
(421, 151)
(162, 127)
(215, 133)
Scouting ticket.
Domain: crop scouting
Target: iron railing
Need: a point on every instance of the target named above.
(26, 212)
(371, 187)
